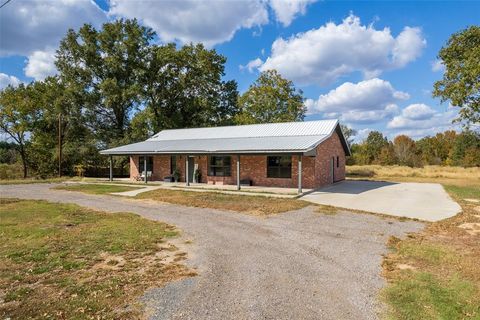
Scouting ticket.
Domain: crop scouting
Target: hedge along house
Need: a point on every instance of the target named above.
(308, 154)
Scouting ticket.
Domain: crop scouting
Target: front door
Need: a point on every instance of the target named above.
(191, 168)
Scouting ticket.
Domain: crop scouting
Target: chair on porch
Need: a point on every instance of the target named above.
(149, 175)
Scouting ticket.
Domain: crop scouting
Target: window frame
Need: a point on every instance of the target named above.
(173, 164)
(280, 169)
(149, 164)
(224, 170)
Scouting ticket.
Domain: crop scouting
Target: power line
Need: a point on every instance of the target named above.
(3, 5)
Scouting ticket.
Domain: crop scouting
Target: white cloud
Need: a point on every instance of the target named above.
(363, 102)
(418, 111)
(41, 64)
(362, 134)
(287, 10)
(323, 55)
(253, 64)
(27, 26)
(6, 80)
(437, 65)
(210, 22)
(421, 116)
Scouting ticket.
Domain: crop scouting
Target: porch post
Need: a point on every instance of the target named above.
(238, 172)
(111, 168)
(145, 168)
(299, 174)
(187, 162)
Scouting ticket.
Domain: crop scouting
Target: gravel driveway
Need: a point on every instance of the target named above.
(296, 265)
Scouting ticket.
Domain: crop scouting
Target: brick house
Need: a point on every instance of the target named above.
(308, 154)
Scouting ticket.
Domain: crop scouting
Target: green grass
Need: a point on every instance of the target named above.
(55, 261)
(422, 295)
(463, 192)
(96, 188)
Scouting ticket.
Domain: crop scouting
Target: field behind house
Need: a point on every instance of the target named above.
(60, 261)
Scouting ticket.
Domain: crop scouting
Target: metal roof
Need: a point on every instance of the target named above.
(287, 137)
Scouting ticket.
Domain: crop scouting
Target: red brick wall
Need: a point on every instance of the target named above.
(316, 171)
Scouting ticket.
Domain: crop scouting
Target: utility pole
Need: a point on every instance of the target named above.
(60, 144)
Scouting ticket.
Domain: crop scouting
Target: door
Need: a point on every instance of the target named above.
(191, 168)
(332, 169)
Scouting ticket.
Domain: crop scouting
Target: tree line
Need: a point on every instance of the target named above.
(116, 86)
(447, 148)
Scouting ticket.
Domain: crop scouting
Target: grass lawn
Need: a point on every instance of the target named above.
(257, 205)
(33, 180)
(61, 261)
(435, 274)
(96, 188)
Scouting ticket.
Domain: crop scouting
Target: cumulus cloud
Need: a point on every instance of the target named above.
(321, 56)
(287, 10)
(437, 65)
(363, 102)
(420, 116)
(251, 65)
(210, 22)
(6, 80)
(27, 26)
(41, 64)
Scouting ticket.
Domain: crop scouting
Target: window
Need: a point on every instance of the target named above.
(279, 167)
(149, 164)
(219, 166)
(173, 164)
(338, 162)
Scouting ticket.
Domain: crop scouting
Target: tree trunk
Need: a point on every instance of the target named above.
(24, 161)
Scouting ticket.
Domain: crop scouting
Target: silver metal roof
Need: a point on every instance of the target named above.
(288, 137)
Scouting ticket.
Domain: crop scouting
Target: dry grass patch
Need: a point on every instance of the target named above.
(67, 262)
(257, 205)
(439, 174)
(442, 280)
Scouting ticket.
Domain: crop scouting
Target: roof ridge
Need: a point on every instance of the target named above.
(250, 137)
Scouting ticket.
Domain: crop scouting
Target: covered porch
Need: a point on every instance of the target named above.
(272, 173)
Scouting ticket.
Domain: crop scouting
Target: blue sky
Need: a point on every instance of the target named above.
(371, 64)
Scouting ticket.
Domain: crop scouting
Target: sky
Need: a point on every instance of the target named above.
(371, 64)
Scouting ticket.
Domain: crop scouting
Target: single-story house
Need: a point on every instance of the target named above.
(308, 154)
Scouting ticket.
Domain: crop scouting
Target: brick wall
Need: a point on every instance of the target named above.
(316, 171)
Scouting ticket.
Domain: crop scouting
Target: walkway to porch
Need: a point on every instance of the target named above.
(202, 187)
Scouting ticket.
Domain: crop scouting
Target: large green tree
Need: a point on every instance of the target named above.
(271, 98)
(183, 88)
(18, 113)
(104, 68)
(461, 81)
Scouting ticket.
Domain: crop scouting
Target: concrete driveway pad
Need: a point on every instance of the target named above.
(424, 201)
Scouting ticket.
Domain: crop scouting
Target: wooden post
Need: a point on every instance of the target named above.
(187, 162)
(299, 174)
(145, 168)
(238, 172)
(111, 168)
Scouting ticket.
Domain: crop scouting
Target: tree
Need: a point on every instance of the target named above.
(348, 133)
(405, 151)
(18, 113)
(373, 145)
(461, 80)
(387, 155)
(271, 98)
(184, 88)
(466, 145)
(104, 69)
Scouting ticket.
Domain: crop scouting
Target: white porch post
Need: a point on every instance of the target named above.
(299, 174)
(238, 172)
(187, 161)
(111, 168)
(145, 168)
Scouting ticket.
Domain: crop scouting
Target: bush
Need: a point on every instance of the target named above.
(11, 171)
